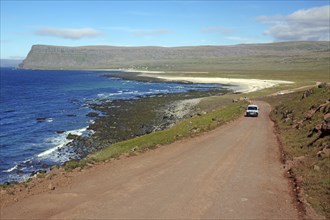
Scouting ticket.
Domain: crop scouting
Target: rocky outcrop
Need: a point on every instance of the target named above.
(307, 93)
(316, 118)
(59, 57)
(322, 128)
(303, 122)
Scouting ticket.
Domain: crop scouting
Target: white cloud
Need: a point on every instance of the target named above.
(306, 24)
(68, 33)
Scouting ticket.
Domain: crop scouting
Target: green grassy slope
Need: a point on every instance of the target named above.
(304, 129)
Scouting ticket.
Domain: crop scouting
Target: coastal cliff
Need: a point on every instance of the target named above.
(172, 58)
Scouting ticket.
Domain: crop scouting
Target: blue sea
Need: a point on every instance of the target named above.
(39, 108)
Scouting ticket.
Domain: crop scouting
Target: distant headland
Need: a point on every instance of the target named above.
(197, 58)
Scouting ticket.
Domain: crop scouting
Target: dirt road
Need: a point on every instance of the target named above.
(233, 172)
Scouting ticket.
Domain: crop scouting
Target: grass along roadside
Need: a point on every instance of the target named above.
(186, 128)
(302, 119)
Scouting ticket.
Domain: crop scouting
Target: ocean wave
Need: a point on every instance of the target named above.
(11, 169)
(159, 91)
(18, 166)
(22, 170)
(61, 140)
(122, 94)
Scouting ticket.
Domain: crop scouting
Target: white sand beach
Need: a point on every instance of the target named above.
(244, 85)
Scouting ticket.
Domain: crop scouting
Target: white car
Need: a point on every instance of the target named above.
(252, 110)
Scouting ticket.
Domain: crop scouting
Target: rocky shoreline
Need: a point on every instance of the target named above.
(120, 120)
(113, 121)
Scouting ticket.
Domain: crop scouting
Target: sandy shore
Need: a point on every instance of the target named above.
(244, 85)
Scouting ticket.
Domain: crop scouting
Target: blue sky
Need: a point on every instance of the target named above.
(158, 23)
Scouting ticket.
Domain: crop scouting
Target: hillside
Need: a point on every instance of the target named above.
(303, 122)
(283, 56)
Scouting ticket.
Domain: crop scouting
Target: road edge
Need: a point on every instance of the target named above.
(305, 211)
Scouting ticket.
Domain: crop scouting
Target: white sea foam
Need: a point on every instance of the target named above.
(16, 166)
(102, 95)
(27, 160)
(118, 93)
(61, 140)
(10, 169)
(50, 120)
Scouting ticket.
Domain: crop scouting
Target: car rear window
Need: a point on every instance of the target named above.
(252, 108)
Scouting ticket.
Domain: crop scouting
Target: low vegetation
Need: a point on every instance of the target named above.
(303, 120)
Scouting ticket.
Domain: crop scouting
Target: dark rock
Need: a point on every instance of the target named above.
(60, 131)
(41, 119)
(72, 136)
(44, 166)
(314, 130)
(307, 93)
(322, 128)
(71, 115)
(322, 85)
(37, 172)
(325, 129)
(92, 114)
